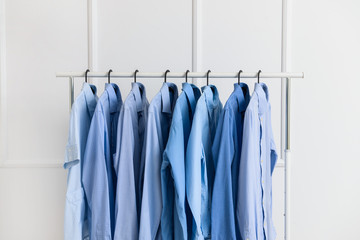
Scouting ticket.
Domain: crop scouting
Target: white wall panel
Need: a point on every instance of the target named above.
(325, 120)
(243, 35)
(32, 203)
(41, 38)
(144, 35)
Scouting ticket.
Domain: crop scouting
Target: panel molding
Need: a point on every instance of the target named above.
(3, 89)
(196, 37)
(92, 20)
(22, 164)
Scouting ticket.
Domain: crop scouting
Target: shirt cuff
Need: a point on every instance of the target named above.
(72, 156)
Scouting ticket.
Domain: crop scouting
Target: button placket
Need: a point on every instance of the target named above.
(262, 167)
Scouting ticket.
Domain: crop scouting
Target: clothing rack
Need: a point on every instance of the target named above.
(72, 75)
(285, 107)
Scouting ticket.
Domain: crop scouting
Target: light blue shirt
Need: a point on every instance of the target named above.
(157, 132)
(258, 159)
(76, 225)
(98, 173)
(199, 165)
(129, 162)
(226, 153)
(175, 209)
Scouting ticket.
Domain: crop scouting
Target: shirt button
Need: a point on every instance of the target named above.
(262, 161)
(263, 181)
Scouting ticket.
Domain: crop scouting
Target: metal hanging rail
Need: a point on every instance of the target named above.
(182, 74)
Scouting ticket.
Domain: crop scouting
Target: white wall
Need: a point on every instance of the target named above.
(325, 118)
(155, 36)
(41, 37)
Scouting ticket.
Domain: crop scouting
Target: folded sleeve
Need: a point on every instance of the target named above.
(72, 152)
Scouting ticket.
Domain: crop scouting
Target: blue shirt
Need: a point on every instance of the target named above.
(76, 223)
(173, 217)
(157, 132)
(258, 159)
(98, 172)
(199, 165)
(226, 153)
(128, 162)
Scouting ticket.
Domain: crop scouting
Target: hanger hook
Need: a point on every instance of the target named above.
(109, 75)
(86, 73)
(186, 75)
(136, 71)
(166, 72)
(207, 77)
(239, 76)
(259, 76)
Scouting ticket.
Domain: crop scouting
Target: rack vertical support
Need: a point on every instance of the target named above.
(287, 159)
(71, 92)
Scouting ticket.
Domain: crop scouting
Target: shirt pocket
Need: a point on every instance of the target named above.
(102, 237)
(75, 196)
(75, 211)
(102, 233)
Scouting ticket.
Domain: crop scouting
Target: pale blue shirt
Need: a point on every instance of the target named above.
(157, 132)
(258, 159)
(226, 153)
(199, 165)
(129, 162)
(175, 209)
(76, 225)
(98, 178)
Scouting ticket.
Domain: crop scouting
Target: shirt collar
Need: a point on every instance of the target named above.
(90, 96)
(261, 91)
(138, 90)
(211, 96)
(192, 93)
(114, 94)
(242, 95)
(168, 103)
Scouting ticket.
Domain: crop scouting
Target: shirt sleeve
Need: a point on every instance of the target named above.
(151, 203)
(246, 201)
(196, 178)
(222, 215)
(95, 179)
(75, 219)
(173, 218)
(126, 215)
(274, 155)
(72, 152)
(168, 200)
